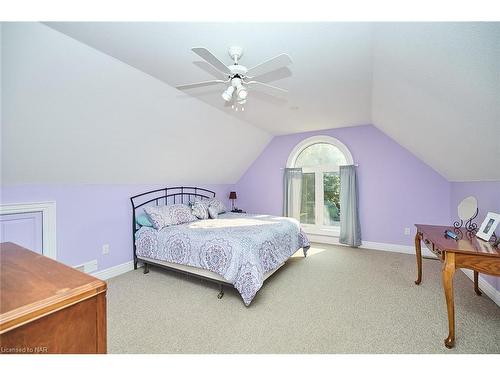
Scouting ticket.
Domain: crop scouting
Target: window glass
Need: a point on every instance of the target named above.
(307, 206)
(320, 154)
(331, 201)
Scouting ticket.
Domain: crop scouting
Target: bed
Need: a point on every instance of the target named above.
(236, 249)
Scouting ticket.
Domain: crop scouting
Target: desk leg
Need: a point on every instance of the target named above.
(476, 286)
(448, 272)
(418, 252)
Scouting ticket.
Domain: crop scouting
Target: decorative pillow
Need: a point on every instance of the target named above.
(143, 220)
(213, 212)
(219, 206)
(163, 216)
(199, 209)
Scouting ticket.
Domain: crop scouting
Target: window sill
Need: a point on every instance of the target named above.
(321, 231)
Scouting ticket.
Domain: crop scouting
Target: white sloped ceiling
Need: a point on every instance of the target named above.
(433, 87)
(436, 90)
(72, 114)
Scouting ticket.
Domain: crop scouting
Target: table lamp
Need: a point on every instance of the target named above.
(232, 196)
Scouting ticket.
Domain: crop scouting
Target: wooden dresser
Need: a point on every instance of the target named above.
(47, 307)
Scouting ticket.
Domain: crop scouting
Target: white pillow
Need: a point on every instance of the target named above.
(164, 216)
(212, 211)
(217, 204)
(199, 209)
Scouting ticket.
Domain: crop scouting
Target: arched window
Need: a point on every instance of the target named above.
(320, 158)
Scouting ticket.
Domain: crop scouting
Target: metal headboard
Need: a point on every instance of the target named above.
(165, 196)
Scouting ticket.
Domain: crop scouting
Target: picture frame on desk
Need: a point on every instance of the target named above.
(488, 226)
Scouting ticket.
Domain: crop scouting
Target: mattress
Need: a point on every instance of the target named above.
(241, 248)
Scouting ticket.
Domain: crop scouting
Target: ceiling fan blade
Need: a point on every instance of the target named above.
(257, 83)
(200, 84)
(203, 65)
(209, 57)
(271, 64)
(273, 75)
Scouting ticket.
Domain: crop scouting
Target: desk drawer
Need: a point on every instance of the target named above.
(434, 249)
(428, 243)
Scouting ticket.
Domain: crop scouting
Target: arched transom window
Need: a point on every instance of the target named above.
(320, 158)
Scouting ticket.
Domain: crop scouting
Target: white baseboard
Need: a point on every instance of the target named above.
(114, 271)
(405, 249)
(485, 286)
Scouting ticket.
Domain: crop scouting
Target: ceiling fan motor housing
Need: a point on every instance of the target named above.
(238, 69)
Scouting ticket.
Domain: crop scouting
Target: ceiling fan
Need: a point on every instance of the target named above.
(237, 77)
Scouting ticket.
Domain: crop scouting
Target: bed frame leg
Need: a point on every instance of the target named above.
(146, 268)
(135, 264)
(221, 293)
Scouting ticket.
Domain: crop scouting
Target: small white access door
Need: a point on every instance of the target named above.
(31, 225)
(24, 229)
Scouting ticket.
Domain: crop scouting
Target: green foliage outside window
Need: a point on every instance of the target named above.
(331, 185)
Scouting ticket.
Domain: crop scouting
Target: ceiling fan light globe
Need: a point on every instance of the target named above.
(242, 93)
(227, 95)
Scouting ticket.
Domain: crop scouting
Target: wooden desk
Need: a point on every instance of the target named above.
(468, 252)
(47, 307)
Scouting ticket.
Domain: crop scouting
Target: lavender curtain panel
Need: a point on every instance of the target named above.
(292, 192)
(350, 230)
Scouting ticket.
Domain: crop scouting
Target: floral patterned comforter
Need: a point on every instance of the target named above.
(239, 247)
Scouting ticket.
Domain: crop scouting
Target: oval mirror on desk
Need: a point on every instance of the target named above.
(467, 208)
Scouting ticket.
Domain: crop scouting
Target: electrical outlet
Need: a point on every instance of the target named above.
(407, 231)
(105, 249)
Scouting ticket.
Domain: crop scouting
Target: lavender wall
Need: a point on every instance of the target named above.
(486, 192)
(89, 216)
(396, 189)
(488, 199)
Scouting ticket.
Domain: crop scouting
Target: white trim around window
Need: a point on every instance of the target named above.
(319, 229)
(301, 146)
(48, 210)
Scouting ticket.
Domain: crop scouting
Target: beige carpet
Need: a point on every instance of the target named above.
(337, 300)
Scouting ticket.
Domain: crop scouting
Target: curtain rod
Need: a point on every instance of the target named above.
(356, 165)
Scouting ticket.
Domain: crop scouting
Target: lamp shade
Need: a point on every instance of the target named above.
(232, 195)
